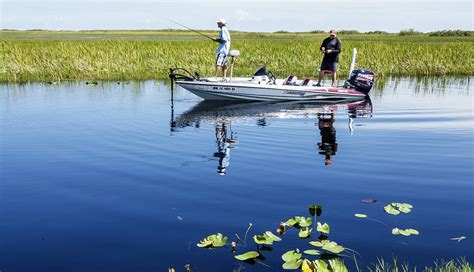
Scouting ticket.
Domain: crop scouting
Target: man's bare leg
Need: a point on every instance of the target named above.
(333, 79)
(224, 72)
(218, 68)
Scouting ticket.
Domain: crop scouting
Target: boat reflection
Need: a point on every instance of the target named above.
(223, 115)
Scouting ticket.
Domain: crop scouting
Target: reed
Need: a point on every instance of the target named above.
(148, 55)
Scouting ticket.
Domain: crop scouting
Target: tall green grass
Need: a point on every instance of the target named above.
(56, 58)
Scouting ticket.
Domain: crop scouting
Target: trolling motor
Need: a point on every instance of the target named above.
(359, 79)
(178, 73)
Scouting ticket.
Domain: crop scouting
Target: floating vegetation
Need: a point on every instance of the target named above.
(328, 253)
(292, 259)
(213, 241)
(395, 208)
(328, 245)
(305, 232)
(266, 239)
(299, 222)
(247, 256)
(405, 232)
(324, 228)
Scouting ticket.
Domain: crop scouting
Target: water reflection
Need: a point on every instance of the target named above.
(223, 114)
(328, 145)
(224, 143)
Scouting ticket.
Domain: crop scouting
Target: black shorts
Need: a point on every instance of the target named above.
(329, 66)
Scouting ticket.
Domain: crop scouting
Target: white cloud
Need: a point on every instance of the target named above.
(245, 16)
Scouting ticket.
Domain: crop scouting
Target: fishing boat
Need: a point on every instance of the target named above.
(263, 86)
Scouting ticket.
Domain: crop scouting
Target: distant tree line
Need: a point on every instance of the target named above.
(404, 32)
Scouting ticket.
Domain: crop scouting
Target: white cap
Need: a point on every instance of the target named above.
(222, 21)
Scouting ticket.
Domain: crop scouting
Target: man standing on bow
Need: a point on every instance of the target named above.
(331, 47)
(223, 49)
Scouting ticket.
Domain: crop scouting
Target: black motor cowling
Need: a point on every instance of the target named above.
(362, 80)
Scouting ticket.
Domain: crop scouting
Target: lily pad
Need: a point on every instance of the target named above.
(293, 264)
(360, 215)
(316, 243)
(247, 256)
(391, 210)
(315, 210)
(395, 208)
(263, 239)
(305, 232)
(305, 222)
(327, 245)
(323, 228)
(405, 232)
(312, 252)
(272, 236)
(315, 266)
(291, 255)
(214, 240)
(292, 221)
(413, 231)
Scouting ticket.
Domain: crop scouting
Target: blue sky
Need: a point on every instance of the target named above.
(257, 15)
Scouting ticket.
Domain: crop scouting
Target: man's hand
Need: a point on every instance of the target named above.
(214, 39)
(323, 49)
(328, 51)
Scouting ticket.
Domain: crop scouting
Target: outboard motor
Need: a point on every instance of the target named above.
(361, 80)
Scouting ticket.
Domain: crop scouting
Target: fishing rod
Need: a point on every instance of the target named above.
(190, 29)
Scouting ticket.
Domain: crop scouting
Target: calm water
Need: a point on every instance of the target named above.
(119, 177)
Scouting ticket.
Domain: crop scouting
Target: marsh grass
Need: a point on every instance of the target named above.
(457, 265)
(50, 56)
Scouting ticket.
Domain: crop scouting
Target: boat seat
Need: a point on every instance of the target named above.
(291, 80)
(307, 82)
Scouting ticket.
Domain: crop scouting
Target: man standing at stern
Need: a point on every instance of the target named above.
(223, 49)
(331, 47)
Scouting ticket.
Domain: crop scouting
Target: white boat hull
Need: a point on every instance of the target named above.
(267, 92)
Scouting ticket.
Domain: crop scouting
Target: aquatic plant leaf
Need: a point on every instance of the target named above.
(207, 242)
(272, 236)
(328, 246)
(402, 207)
(262, 240)
(312, 252)
(291, 255)
(321, 265)
(323, 228)
(305, 222)
(391, 210)
(305, 232)
(219, 240)
(413, 231)
(247, 256)
(360, 215)
(315, 210)
(337, 265)
(307, 266)
(316, 243)
(293, 264)
(292, 221)
(404, 232)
